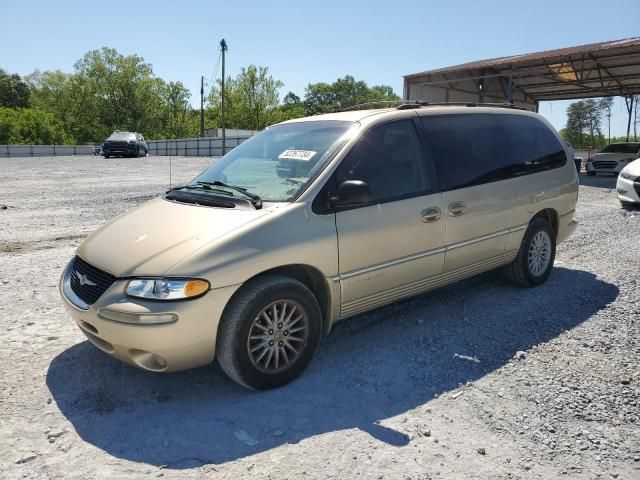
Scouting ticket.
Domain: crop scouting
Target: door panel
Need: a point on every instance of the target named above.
(480, 232)
(385, 246)
(394, 246)
(474, 164)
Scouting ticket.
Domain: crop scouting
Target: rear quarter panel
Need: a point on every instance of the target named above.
(555, 189)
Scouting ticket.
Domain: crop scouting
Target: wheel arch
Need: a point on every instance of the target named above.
(550, 215)
(310, 277)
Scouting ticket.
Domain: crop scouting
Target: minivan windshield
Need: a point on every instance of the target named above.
(621, 148)
(279, 162)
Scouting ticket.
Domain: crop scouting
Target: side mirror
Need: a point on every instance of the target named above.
(352, 193)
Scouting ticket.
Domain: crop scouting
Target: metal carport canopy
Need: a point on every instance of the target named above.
(594, 70)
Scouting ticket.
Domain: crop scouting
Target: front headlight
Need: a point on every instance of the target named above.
(627, 175)
(166, 288)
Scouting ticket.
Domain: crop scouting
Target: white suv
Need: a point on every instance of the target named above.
(613, 158)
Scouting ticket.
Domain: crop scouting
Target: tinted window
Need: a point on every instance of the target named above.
(480, 148)
(467, 149)
(389, 158)
(533, 146)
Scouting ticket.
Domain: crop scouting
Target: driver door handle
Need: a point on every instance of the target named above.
(457, 208)
(430, 215)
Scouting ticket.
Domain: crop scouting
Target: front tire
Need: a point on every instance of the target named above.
(534, 262)
(269, 332)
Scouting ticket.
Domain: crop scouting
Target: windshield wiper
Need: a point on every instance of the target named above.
(255, 199)
(202, 187)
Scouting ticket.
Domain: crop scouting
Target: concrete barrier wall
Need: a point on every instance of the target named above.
(44, 150)
(194, 147)
(188, 147)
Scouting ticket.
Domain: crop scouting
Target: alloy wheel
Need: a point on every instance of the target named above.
(278, 336)
(539, 253)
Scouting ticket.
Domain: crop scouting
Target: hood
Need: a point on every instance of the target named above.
(149, 239)
(614, 156)
(633, 168)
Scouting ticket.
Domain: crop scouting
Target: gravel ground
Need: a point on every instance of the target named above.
(475, 380)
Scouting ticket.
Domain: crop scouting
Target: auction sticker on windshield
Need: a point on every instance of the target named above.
(303, 155)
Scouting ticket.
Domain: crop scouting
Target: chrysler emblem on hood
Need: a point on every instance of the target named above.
(83, 279)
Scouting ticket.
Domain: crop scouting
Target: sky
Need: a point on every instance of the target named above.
(307, 42)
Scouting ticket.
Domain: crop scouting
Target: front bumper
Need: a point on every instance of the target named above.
(129, 149)
(628, 190)
(566, 226)
(187, 342)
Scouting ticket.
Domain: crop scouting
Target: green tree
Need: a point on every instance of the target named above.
(584, 120)
(14, 92)
(594, 111)
(109, 91)
(343, 93)
(606, 105)
(56, 93)
(251, 99)
(319, 98)
(292, 107)
(30, 126)
(177, 112)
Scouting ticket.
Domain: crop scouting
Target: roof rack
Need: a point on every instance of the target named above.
(407, 105)
(411, 104)
(369, 104)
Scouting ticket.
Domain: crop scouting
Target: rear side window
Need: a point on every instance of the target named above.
(481, 148)
(533, 146)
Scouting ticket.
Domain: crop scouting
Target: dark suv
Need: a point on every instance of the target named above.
(127, 144)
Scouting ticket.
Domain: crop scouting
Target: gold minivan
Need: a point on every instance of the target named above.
(317, 219)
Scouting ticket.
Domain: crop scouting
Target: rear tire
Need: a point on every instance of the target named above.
(591, 174)
(272, 318)
(534, 262)
(106, 156)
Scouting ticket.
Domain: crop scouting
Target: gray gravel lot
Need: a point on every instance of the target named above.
(475, 380)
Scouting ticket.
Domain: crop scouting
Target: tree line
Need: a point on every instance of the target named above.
(589, 123)
(109, 91)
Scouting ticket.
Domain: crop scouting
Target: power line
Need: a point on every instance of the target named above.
(214, 73)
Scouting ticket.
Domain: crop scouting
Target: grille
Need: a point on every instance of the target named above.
(606, 164)
(89, 293)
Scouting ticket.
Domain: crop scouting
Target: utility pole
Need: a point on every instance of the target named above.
(223, 47)
(202, 106)
(629, 103)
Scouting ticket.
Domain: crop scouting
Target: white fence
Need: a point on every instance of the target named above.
(44, 150)
(194, 147)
